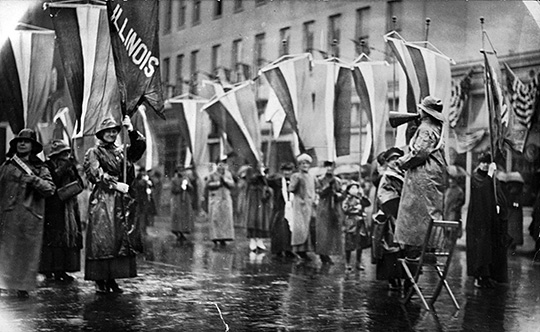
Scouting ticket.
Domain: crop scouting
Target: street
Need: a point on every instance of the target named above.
(196, 287)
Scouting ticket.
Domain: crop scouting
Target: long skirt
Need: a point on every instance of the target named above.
(55, 259)
(112, 268)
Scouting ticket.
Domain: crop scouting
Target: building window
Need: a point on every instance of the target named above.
(216, 59)
(196, 12)
(334, 34)
(309, 36)
(193, 70)
(218, 8)
(258, 55)
(284, 40)
(182, 6)
(362, 31)
(179, 88)
(165, 75)
(167, 16)
(238, 6)
(236, 59)
(260, 2)
(394, 9)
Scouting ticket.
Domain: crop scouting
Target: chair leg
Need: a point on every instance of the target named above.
(442, 282)
(414, 285)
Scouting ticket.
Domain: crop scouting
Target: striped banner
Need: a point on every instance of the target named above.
(194, 126)
(332, 83)
(150, 158)
(426, 73)
(26, 61)
(85, 48)
(371, 82)
(289, 78)
(235, 113)
(274, 113)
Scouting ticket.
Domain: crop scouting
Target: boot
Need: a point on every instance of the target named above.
(113, 286)
(101, 287)
(252, 244)
(260, 244)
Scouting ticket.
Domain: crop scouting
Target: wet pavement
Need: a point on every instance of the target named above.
(197, 287)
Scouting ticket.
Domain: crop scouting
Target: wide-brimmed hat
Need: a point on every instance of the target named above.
(58, 146)
(304, 157)
(328, 163)
(108, 123)
(433, 107)
(352, 184)
(393, 152)
(288, 166)
(29, 135)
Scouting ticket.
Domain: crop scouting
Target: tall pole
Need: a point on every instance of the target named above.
(428, 20)
(394, 23)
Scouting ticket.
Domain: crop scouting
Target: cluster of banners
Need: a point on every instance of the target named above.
(110, 62)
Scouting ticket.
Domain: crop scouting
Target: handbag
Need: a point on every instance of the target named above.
(70, 190)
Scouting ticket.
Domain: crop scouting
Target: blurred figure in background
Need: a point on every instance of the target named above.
(219, 184)
(329, 214)
(258, 202)
(513, 190)
(157, 182)
(280, 232)
(25, 183)
(62, 236)
(183, 203)
(454, 198)
(146, 208)
(356, 230)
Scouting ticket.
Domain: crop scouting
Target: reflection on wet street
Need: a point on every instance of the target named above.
(196, 287)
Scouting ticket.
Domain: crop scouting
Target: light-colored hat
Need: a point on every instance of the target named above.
(108, 123)
(432, 106)
(304, 157)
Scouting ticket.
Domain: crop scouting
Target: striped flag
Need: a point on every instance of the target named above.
(235, 113)
(522, 103)
(427, 73)
(534, 8)
(274, 113)
(194, 125)
(370, 80)
(332, 82)
(497, 108)
(83, 38)
(63, 126)
(150, 158)
(289, 78)
(26, 60)
(459, 98)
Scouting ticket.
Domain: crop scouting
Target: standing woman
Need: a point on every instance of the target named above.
(183, 203)
(109, 253)
(25, 182)
(62, 236)
(220, 207)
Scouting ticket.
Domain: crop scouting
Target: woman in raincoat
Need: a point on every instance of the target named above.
(220, 207)
(423, 189)
(62, 237)
(109, 252)
(25, 183)
(183, 203)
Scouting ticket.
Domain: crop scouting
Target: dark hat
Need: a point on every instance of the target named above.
(29, 135)
(58, 146)
(380, 158)
(485, 158)
(432, 106)
(393, 152)
(352, 184)
(108, 123)
(328, 163)
(287, 167)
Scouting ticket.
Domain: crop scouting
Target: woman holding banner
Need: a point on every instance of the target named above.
(109, 252)
(25, 182)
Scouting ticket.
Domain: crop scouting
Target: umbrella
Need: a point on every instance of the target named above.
(456, 171)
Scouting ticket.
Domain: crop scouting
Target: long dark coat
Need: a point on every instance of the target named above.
(62, 237)
(487, 238)
(280, 233)
(109, 211)
(330, 216)
(22, 207)
(183, 206)
(258, 207)
(423, 189)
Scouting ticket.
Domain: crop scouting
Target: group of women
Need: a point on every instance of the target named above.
(40, 224)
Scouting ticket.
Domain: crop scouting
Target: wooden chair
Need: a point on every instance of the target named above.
(436, 257)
